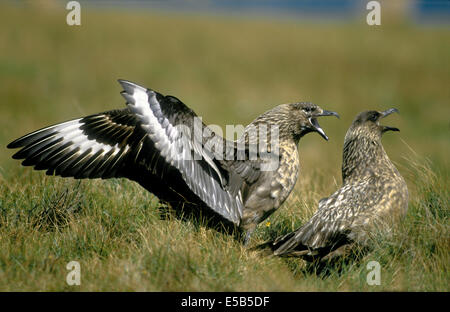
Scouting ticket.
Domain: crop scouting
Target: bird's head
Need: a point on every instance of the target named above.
(303, 118)
(368, 122)
(363, 153)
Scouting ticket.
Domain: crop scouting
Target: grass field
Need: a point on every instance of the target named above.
(228, 70)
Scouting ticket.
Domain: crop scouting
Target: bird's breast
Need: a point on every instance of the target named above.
(286, 174)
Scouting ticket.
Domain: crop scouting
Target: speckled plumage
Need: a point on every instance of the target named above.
(264, 195)
(373, 197)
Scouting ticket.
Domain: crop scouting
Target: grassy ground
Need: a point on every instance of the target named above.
(228, 70)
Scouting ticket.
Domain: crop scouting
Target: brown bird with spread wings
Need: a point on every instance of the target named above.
(153, 142)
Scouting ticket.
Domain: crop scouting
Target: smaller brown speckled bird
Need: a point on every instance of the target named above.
(374, 195)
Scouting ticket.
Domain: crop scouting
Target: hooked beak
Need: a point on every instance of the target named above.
(315, 124)
(387, 113)
(329, 113)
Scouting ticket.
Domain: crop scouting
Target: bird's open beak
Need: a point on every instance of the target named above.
(387, 113)
(315, 124)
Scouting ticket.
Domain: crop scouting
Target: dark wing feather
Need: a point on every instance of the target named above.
(330, 225)
(154, 133)
(253, 153)
(240, 168)
(91, 147)
(170, 124)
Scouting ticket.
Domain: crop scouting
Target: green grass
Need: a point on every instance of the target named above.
(228, 70)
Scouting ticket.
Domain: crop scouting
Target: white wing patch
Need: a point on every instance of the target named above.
(139, 101)
(177, 147)
(72, 133)
(66, 150)
(81, 141)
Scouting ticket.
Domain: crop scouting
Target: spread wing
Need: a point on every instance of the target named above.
(95, 146)
(337, 215)
(153, 132)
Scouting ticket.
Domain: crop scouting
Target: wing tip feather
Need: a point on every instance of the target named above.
(130, 86)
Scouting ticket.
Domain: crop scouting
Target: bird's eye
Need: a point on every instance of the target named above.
(374, 116)
(307, 109)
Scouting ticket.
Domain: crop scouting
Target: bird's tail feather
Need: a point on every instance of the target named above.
(290, 244)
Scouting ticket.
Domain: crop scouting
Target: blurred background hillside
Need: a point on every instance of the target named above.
(229, 61)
